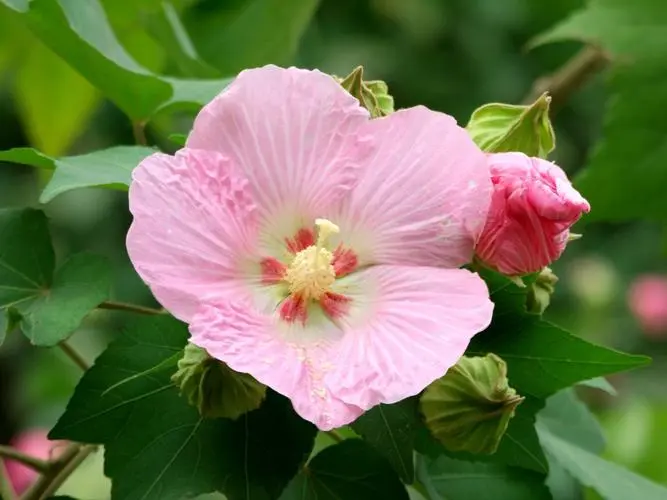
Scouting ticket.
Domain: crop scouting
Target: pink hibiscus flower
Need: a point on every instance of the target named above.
(314, 248)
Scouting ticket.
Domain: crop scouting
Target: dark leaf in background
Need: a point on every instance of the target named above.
(50, 306)
(249, 33)
(448, 479)
(390, 429)
(633, 134)
(350, 470)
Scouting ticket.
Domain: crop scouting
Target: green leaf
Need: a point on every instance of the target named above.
(449, 479)
(390, 429)
(250, 33)
(83, 37)
(26, 256)
(110, 168)
(611, 481)
(165, 26)
(191, 95)
(50, 306)
(601, 384)
(570, 419)
(633, 32)
(28, 156)
(543, 358)
(572, 438)
(520, 445)
(179, 139)
(348, 470)
(54, 110)
(498, 128)
(80, 34)
(83, 282)
(179, 454)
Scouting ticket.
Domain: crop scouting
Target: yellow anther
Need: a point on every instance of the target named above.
(311, 273)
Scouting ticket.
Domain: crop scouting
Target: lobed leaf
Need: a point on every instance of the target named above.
(157, 445)
(48, 306)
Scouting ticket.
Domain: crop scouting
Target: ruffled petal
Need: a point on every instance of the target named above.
(194, 228)
(293, 132)
(408, 326)
(292, 361)
(422, 197)
(404, 327)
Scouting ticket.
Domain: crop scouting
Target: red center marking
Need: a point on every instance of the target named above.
(272, 270)
(294, 308)
(302, 240)
(344, 261)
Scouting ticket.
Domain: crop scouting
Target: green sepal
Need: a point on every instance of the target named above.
(470, 408)
(498, 128)
(372, 95)
(213, 388)
(540, 291)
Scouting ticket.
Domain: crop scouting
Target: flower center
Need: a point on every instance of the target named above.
(311, 273)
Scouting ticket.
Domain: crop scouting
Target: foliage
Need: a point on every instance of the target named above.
(159, 59)
(633, 33)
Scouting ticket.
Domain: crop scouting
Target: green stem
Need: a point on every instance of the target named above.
(27, 460)
(6, 490)
(570, 77)
(335, 435)
(139, 132)
(74, 355)
(58, 471)
(121, 306)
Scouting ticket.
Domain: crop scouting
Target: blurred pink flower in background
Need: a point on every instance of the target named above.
(34, 443)
(532, 209)
(647, 300)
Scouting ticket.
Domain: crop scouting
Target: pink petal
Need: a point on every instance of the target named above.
(418, 323)
(404, 328)
(423, 197)
(193, 230)
(290, 361)
(293, 132)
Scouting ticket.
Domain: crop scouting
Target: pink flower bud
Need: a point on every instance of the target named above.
(532, 209)
(35, 443)
(648, 302)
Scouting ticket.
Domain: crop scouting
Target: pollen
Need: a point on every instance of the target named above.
(311, 273)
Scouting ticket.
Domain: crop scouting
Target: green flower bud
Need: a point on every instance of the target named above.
(539, 292)
(215, 389)
(469, 408)
(372, 95)
(499, 128)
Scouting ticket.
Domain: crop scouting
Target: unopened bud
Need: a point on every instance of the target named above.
(372, 95)
(215, 389)
(540, 291)
(469, 408)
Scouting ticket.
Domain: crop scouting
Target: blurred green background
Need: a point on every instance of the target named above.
(451, 55)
